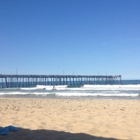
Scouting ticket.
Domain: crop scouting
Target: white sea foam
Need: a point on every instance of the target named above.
(46, 87)
(96, 94)
(111, 87)
(62, 87)
(73, 94)
(13, 93)
(24, 93)
(87, 87)
(86, 90)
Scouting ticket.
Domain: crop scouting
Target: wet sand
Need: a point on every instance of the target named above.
(70, 119)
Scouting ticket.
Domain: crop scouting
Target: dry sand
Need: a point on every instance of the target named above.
(70, 119)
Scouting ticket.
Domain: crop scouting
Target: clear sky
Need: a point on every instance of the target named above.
(82, 36)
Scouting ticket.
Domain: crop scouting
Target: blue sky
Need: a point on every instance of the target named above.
(80, 36)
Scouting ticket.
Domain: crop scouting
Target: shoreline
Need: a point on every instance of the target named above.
(71, 97)
(44, 118)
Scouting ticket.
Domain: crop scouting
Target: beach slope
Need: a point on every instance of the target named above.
(70, 119)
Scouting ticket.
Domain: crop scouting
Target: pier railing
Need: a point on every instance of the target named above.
(9, 81)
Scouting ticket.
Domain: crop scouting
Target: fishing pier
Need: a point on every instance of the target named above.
(15, 81)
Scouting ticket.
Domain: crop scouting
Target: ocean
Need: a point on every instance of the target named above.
(128, 89)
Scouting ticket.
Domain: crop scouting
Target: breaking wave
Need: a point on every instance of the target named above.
(84, 91)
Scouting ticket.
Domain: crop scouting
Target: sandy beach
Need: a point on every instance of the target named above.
(70, 119)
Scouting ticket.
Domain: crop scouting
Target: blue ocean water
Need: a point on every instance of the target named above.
(130, 82)
(128, 89)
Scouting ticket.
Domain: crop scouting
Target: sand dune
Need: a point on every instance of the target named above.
(70, 119)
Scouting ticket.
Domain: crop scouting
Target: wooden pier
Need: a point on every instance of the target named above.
(11, 81)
